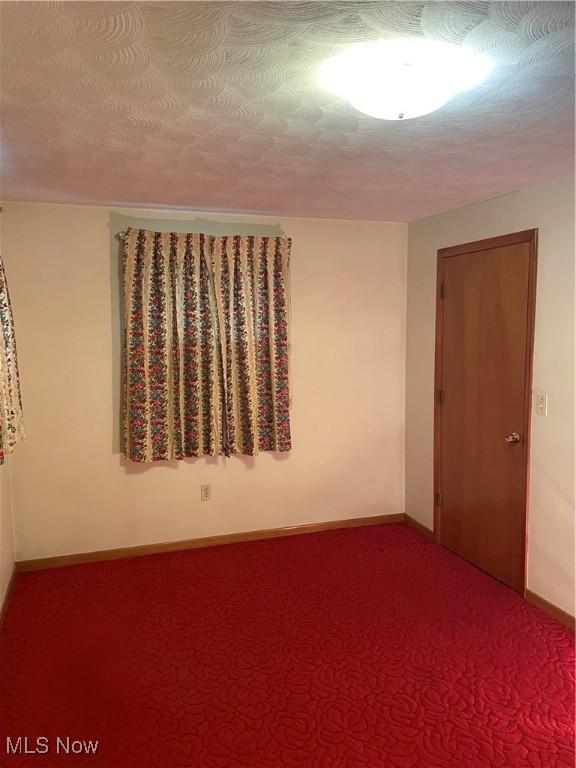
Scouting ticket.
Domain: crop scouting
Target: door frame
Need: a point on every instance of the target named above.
(529, 236)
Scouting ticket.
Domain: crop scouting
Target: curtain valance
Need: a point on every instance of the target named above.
(205, 345)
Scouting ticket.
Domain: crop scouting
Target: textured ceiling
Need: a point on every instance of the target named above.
(215, 106)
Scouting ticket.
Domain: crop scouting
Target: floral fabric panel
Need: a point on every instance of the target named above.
(11, 425)
(205, 345)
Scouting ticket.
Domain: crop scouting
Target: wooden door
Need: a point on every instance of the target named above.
(484, 342)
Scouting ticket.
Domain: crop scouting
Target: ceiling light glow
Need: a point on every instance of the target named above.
(403, 78)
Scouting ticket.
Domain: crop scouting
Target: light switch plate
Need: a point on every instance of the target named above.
(541, 404)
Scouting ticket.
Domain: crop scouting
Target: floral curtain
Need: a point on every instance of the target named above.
(11, 427)
(205, 345)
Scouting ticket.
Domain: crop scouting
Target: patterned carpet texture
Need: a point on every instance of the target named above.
(360, 648)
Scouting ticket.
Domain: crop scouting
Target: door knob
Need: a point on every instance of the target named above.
(513, 437)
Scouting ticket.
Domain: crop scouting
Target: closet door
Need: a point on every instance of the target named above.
(485, 320)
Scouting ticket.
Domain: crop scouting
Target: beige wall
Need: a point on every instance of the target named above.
(6, 532)
(550, 208)
(72, 490)
(6, 527)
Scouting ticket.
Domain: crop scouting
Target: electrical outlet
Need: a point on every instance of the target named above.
(205, 493)
(541, 404)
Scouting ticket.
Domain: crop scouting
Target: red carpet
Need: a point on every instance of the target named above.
(350, 649)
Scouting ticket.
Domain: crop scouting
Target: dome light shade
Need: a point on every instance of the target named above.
(399, 79)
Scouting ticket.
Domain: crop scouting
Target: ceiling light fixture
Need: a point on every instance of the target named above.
(403, 78)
